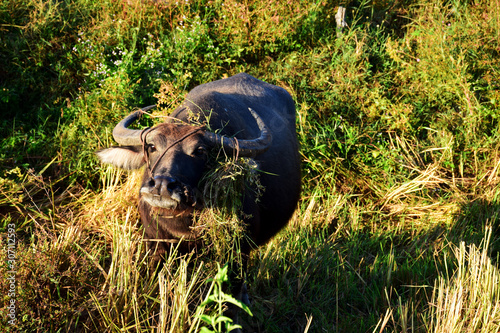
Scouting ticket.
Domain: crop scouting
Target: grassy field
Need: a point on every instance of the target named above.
(398, 119)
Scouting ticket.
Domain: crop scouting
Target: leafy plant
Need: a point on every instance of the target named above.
(218, 301)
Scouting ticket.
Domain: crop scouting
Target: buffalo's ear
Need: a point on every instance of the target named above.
(125, 157)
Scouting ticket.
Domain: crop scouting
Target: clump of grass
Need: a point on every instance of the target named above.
(220, 223)
(53, 278)
(469, 300)
(117, 302)
(136, 296)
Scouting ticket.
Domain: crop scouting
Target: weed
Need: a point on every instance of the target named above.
(219, 300)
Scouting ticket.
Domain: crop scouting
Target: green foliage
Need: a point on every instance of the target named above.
(219, 300)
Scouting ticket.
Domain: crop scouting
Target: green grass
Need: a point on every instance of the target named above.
(398, 121)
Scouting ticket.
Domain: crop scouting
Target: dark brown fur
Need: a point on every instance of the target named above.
(225, 104)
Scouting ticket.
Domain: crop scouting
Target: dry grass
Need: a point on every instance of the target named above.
(219, 224)
(467, 300)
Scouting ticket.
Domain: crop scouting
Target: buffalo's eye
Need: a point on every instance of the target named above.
(151, 148)
(200, 151)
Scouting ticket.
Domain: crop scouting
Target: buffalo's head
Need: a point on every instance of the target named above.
(175, 156)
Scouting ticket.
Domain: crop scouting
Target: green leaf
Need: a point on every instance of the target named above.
(207, 319)
(221, 275)
(223, 319)
(230, 327)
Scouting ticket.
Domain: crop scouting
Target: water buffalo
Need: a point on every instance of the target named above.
(245, 116)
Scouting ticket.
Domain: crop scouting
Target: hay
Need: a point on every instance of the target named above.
(219, 224)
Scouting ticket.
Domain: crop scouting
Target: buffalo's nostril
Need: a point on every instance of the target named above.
(173, 186)
(164, 185)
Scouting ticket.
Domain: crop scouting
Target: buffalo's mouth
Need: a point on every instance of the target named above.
(167, 193)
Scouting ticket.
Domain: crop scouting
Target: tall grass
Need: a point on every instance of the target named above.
(397, 116)
(469, 300)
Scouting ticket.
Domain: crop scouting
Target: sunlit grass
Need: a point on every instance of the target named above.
(468, 300)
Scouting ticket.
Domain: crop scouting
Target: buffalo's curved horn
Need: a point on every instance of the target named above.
(248, 148)
(126, 136)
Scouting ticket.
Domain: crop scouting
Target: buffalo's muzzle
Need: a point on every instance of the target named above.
(165, 192)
